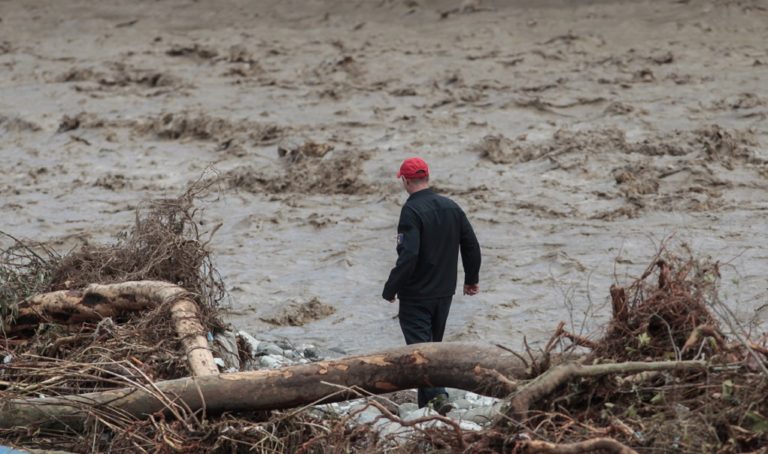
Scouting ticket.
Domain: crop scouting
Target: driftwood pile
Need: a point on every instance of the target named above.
(124, 364)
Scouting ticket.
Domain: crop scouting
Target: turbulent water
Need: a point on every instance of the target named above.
(578, 136)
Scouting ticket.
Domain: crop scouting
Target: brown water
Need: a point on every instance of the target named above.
(614, 125)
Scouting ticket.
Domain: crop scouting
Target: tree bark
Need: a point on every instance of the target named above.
(95, 302)
(193, 337)
(457, 365)
(98, 301)
(70, 307)
(595, 445)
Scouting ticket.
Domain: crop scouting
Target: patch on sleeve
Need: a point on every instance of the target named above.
(399, 239)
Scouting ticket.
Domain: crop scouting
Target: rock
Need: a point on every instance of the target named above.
(483, 415)
(419, 413)
(406, 408)
(395, 430)
(462, 404)
(309, 351)
(292, 354)
(455, 394)
(349, 405)
(425, 413)
(272, 361)
(469, 425)
(225, 344)
(457, 414)
(480, 401)
(267, 348)
(284, 344)
(251, 342)
(314, 353)
(326, 410)
(368, 416)
(396, 434)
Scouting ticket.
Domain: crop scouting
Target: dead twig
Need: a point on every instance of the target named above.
(703, 331)
(549, 381)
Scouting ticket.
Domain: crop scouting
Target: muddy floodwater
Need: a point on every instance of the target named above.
(577, 136)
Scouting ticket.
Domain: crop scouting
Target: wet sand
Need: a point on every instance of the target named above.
(577, 136)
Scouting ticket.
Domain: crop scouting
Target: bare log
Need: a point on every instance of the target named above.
(594, 445)
(192, 334)
(70, 307)
(183, 312)
(457, 365)
(547, 382)
(95, 302)
(98, 301)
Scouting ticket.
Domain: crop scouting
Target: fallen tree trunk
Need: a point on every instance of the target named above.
(459, 365)
(97, 302)
(486, 370)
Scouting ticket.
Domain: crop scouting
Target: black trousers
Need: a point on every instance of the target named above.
(424, 321)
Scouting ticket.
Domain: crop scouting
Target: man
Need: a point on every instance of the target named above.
(431, 231)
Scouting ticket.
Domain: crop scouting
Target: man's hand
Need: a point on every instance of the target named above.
(392, 300)
(473, 289)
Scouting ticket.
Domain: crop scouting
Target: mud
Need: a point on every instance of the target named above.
(300, 314)
(577, 136)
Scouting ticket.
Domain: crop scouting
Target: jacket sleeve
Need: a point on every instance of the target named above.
(470, 252)
(408, 243)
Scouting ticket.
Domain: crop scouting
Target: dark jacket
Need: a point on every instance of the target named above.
(431, 231)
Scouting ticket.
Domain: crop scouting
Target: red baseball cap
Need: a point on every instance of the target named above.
(413, 168)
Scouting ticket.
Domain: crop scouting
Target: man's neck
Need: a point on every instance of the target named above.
(418, 189)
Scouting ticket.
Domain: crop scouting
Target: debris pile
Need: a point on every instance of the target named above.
(697, 387)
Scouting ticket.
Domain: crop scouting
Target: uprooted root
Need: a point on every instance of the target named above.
(663, 315)
(164, 244)
(26, 269)
(654, 319)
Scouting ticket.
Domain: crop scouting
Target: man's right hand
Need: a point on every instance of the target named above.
(473, 289)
